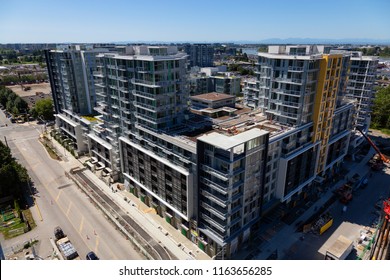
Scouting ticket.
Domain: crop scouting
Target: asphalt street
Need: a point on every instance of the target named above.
(58, 202)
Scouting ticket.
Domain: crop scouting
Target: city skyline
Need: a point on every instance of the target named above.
(197, 21)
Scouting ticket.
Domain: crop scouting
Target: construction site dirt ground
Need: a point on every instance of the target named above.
(42, 87)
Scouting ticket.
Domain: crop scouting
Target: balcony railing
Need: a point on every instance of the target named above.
(286, 103)
(144, 94)
(222, 213)
(214, 222)
(214, 185)
(218, 173)
(216, 198)
(145, 106)
(295, 68)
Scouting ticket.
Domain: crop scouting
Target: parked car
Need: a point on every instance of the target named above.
(91, 256)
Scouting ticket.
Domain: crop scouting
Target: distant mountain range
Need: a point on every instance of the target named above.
(276, 41)
(324, 41)
(357, 41)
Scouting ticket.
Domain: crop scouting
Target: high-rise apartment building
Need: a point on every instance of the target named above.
(210, 175)
(201, 55)
(227, 84)
(70, 71)
(302, 87)
(361, 83)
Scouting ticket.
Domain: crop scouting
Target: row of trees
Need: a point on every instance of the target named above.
(238, 68)
(385, 52)
(15, 105)
(11, 56)
(12, 102)
(13, 176)
(17, 79)
(381, 109)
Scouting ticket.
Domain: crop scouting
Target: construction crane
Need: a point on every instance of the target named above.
(381, 242)
(382, 158)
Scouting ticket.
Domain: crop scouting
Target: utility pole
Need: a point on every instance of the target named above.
(5, 138)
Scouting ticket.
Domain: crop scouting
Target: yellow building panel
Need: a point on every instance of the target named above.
(325, 100)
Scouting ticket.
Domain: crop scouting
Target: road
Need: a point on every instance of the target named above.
(158, 251)
(58, 202)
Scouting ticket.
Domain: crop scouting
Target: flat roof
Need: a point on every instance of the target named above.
(227, 142)
(348, 230)
(340, 246)
(213, 96)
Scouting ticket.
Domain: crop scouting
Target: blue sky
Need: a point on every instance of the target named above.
(34, 21)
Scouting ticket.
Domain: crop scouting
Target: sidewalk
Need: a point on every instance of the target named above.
(152, 223)
(287, 236)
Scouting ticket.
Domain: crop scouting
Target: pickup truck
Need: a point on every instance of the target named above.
(64, 245)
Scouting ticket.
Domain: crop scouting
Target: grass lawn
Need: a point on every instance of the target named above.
(29, 218)
(11, 227)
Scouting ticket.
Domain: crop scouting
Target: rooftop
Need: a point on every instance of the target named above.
(243, 121)
(225, 142)
(212, 96)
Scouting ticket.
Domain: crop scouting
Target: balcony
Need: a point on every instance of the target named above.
(290, 81)
(284, 114)
(124, 100)
(144, 82)
(98, 74)
(146, 118)
(217, 222)
(217, 173)
(123, 89)
(216, 198)
(286, 103)
(142, 70)
(219, 212)
(214, 185)
(100, 93)
(295, 69)
(144, 94)
(101, 110)
(287, 92)
(145, 106)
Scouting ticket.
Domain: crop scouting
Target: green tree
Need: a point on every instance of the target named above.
(21, 104)
(33, 112)
(12, 175)
(263, 49)
(44, 109)
(381, 109)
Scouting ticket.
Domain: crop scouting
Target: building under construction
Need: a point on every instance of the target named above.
(380, 249)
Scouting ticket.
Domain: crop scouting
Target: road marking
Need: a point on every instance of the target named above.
(67, 211)
(62, 208)
(39, 211)
(58, 196)
(81, 224)
(96, 244)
